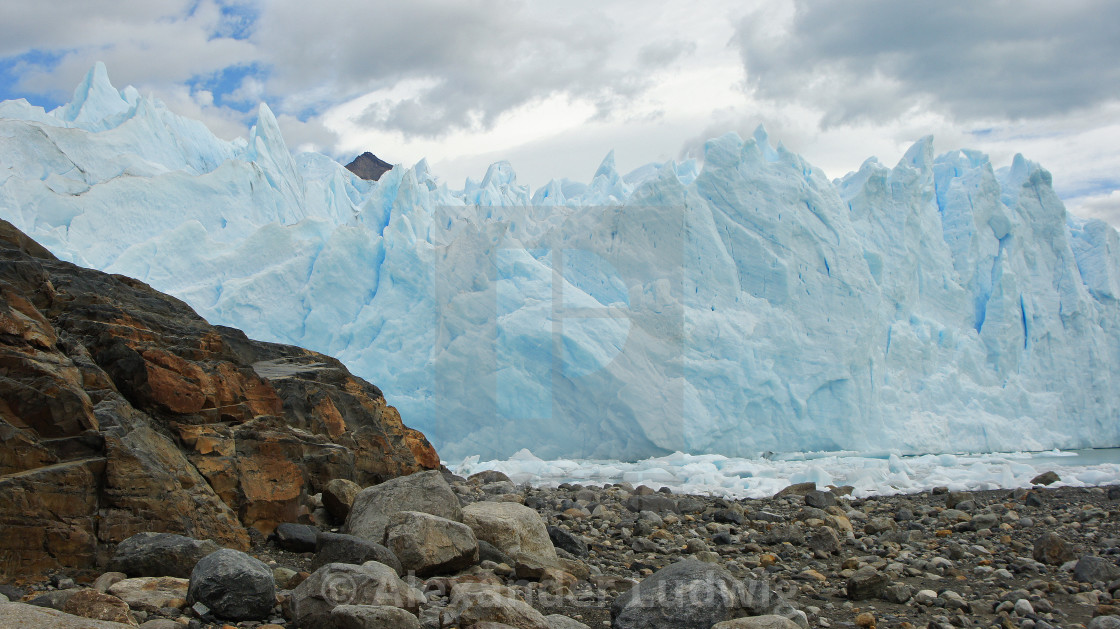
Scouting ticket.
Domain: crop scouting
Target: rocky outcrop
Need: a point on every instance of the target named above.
(369, 167)
(123, 411)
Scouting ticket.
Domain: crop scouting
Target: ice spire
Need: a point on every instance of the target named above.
(96, 105)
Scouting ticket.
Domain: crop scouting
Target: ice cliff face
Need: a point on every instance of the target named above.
(746, 306)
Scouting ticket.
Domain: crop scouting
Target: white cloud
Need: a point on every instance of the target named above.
(554, 86)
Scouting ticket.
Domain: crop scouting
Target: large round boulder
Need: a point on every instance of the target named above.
(233, 585)
(513, 528)
(692, 594)
(342, 548)
(159, 555)
(428, 544)
(337, 584)
(426, 492)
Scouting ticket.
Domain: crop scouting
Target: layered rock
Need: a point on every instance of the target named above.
(123, 411)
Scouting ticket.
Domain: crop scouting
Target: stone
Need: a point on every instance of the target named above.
(758, 622)
(514, 529)
(797, 489)
(478, 603)
(557, 621)
(285, 578)
(99, 606)
(728, 516)
(1104, 622)
(1046, 478)
(490, 552)
(1052, 549)
(820, 499)
(296, 538)
(426, 492)
(233, 585)
(824, 539)
(691, 594)
(159, 555)
(106, 580)
(164, 623)
(1090, 569)
(954, 499)
(335, 584)
(486, 477)
(20, 615)
(151, 594)
(55, 599)
(372, 617)
(428, 544)
(561, 538)
(658, 503)
(338, 497)
(341, 548)
(897, 593)
(867, 583)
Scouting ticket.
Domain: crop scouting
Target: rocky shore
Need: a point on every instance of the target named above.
(435, 550)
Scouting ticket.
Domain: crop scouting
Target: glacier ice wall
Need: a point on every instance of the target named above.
(744, 306)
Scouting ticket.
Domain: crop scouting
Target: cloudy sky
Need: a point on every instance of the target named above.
(553, 86)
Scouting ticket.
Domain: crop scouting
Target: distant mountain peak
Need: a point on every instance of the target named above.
(369, 167)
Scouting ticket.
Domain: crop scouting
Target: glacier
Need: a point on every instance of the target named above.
(737, 305)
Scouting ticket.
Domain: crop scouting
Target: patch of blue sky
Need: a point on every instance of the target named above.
(13, 68)
(238, 20)
(224, 84)
(1087, 188)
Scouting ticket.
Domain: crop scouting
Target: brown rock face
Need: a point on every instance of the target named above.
(123, 411)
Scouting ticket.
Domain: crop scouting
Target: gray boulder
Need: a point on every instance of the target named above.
(233, 585)
(867, 583)
(159, 555)
(337, 584)
(338, 497)
(20, 615)
(692, 595)
(428, 544)
(1053, 550)
(561, 538)
(473, 604)
(296, 538)
(658, 503)
(1090, 569)
(557, 621)
(513, 528)
(490, 552)
(820, 499)
(824, 539)
(486, 477)
(425, 492)
(1105, 622)
(758, 622)
(372, 617)
(341, 548)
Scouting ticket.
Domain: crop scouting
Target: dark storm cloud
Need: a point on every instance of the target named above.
(478, 58)
(974, 60)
